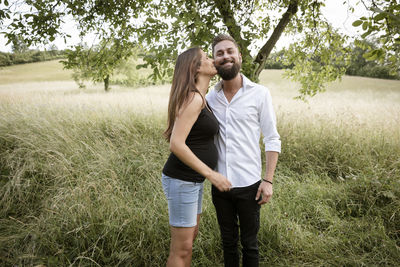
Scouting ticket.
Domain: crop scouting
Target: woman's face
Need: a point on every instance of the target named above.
(207, 65)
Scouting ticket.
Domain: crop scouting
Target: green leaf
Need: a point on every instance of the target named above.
(357, 23)
(365, 25)
(371, 55)
(151, 20)
(365, 34)
(380, 16)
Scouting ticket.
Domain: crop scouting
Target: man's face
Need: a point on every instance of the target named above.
(227, 59)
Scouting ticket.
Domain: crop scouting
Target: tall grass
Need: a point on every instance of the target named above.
(79, 186)
(80, 179)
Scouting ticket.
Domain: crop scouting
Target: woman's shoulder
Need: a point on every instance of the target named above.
(197, 98)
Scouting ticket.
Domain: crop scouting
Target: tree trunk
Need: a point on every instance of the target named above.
(267, 48)
(225, 9)
(107, 83)
(252, 68)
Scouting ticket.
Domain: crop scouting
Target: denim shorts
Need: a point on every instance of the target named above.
(184, 201)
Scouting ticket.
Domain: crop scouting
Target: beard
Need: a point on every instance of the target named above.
(228, 73)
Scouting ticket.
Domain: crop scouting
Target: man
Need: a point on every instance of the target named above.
(243, 109)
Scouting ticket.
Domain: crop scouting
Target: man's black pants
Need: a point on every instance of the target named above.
(238, 209)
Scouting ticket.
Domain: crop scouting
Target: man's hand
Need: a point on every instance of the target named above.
(265, 191)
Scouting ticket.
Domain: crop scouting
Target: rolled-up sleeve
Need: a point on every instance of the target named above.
(271, 138)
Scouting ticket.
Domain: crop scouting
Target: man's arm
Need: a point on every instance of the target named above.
(272, 144)
(265, 188)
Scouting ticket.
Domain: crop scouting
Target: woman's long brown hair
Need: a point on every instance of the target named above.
(183, 83)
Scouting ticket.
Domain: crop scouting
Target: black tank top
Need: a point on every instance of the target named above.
(201, 141)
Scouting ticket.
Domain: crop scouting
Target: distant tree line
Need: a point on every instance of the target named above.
(29, 56)
(359, 64)
(21, 53)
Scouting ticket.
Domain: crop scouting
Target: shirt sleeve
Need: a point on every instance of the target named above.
(271, 138)
(209, 97)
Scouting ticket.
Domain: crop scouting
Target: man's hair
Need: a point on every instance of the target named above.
(223, 37)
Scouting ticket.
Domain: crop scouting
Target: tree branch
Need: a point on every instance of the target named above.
(234, 29)
(267, 48)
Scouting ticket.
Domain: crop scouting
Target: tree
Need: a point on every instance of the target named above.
(96, 63)
(164, 28)
(383, 25)
(197, 22)
(19, 45)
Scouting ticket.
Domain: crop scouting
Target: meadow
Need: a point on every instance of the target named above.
(80, 175)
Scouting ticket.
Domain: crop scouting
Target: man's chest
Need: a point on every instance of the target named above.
(241, 110)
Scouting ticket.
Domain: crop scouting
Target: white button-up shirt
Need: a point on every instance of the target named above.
(240, 123)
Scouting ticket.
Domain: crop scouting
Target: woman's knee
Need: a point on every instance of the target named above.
(184, 249)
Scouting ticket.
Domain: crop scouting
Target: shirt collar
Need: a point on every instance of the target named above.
(246, 84)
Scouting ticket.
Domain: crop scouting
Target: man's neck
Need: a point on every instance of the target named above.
(232, 86)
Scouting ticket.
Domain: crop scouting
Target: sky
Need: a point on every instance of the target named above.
(335, 11)
(338, 15)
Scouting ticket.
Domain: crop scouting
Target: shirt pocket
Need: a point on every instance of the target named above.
(248, 115)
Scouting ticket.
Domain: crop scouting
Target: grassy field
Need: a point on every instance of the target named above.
(80, 175)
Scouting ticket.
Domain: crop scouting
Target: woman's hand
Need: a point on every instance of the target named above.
(219, 181)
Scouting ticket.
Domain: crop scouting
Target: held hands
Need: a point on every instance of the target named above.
(265, 191)
(220, 181)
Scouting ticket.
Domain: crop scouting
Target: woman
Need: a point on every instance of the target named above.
(190, 131)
